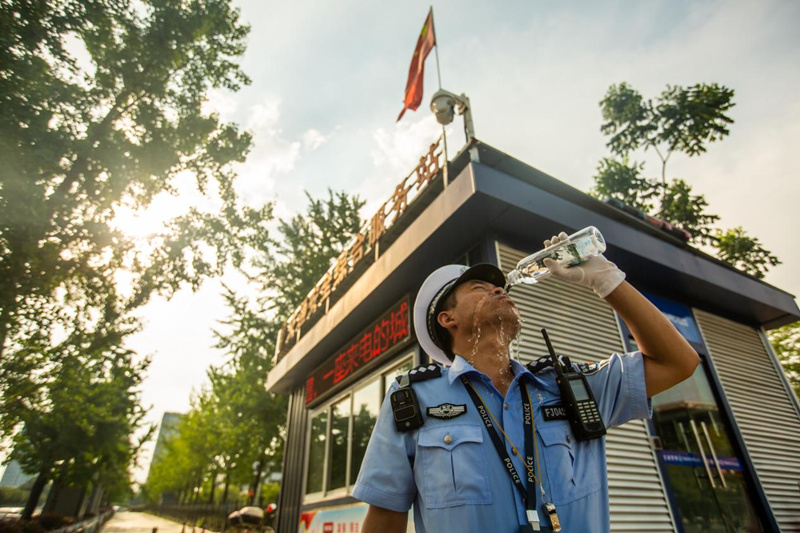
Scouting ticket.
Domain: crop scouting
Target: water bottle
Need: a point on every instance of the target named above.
(578, 247)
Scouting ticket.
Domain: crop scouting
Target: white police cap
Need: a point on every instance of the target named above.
(434, 292)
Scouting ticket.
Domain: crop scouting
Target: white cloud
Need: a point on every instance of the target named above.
(220, 101)
(313, 139)
(399, 148)
(271, 154)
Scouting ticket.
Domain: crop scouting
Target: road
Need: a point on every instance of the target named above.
(128, 522)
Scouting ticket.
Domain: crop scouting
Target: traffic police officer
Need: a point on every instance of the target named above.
(450, 469)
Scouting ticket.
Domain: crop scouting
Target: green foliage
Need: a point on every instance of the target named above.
(269, 492)
(786, 342)
(13, 497)
(622, 180)
(744, 252)
(74, 419)
(102, 107)
(309, 243)
(684, 120)
(688, 211)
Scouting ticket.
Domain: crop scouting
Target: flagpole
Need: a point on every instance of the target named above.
(438, 71)
(439, 76)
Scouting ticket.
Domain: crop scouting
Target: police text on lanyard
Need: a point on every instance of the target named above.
(528, 493)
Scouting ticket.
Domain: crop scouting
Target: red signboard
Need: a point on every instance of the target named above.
(390, 330)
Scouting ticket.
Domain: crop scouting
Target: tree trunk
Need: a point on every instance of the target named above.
(183, 497)
(199, 487)
(257, 480)
(36, 493)
(213, 486)
(227, 484)
(52, 499)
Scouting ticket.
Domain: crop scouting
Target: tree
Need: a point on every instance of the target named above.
(78, 142)
(682, 119)
(242, 423)
(75, 422)
(308, 244)
(744, 252)
(685, 120)
(623, 181)
(786, 342)
(102, 105)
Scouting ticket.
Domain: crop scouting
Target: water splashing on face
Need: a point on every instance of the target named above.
(515, 346)
(506, 375)
(475, 336)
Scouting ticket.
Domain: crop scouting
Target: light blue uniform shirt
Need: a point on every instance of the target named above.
(459, 483)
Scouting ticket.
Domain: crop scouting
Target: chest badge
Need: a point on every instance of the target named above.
(554, 412)
(447, 411)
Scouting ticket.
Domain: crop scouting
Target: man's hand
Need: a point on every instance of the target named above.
(380, 520)
(597, 273)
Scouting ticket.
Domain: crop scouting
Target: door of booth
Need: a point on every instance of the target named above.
(708, 487)
(703, 473)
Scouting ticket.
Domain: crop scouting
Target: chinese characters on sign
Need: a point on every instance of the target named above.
(366, 241)
(388, 331)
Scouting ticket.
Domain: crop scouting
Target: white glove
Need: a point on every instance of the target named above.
(597, 273)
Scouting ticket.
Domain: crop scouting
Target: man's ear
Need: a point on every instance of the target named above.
(446, 319)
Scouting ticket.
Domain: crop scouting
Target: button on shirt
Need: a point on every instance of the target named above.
(451, 473)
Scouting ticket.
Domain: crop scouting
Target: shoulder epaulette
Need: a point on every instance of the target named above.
(546, 362)
(422, 372)
(590, 367)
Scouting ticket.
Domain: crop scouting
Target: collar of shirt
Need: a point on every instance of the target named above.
(544, 380)
(461, 366)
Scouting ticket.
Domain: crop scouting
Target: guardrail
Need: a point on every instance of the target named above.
(91, 525)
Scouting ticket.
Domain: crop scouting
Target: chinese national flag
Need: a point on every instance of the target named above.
(416, 72)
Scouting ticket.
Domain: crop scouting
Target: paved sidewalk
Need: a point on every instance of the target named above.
(128, 522)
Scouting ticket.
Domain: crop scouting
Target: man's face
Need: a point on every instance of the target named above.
(481, 305)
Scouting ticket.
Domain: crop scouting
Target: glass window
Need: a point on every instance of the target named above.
(340, 419)
(316, 452)
(330, 444)
(366, 406)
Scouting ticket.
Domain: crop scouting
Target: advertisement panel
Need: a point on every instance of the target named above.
(346, 519)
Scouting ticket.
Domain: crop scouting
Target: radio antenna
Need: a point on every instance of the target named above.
(553, 356)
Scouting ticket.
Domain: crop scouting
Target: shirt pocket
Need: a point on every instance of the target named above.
(450, 467)
(573, 469)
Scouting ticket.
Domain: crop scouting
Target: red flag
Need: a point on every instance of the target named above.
(416, 72)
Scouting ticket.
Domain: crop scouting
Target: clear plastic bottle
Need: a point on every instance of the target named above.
(578, 247)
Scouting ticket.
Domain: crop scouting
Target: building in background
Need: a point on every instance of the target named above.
(14, 476)
(170, 423)
(720, 453)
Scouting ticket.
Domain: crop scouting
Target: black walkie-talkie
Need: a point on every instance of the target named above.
(405, 407)
(581, 407)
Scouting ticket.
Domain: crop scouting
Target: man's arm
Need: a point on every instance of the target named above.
(668, 357)
(380, 520)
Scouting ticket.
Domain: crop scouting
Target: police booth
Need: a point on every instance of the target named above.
(721, 451)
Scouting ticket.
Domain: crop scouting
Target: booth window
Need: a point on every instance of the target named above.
(339, 432)
(316, 452)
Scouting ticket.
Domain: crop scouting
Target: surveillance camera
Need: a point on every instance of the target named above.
(443, 106)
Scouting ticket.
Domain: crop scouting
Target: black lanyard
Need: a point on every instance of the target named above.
(528, 494)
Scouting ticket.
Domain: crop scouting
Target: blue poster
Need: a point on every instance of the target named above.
(693, 459)
(680, 316)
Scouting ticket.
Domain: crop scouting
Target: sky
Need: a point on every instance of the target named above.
(328, 81)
